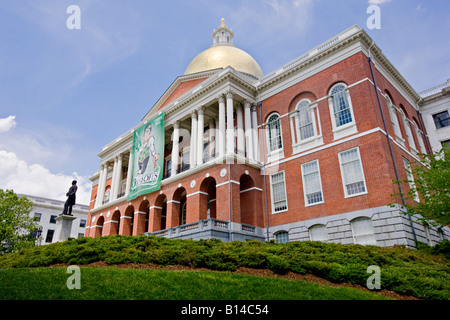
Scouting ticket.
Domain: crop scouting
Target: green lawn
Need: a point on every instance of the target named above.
(108, 283)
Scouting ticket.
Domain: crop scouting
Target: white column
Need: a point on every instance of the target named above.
(193, 149)
(201, 126)
(212, 138)
(221, 132)
(248, 131)
(255, 133)
(114, 180)
(240, 131)
(101, 185)
(230, 123)
(175, 148)
(117, 177)
(129, 173)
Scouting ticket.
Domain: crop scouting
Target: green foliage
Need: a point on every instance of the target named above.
(16, 225)
(431, 181)
(423, 273)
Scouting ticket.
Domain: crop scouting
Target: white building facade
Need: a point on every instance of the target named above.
(45, 211)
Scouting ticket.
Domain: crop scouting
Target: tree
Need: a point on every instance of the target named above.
(430, 178)
(16, 225)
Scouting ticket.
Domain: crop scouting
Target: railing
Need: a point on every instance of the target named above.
(436, 89)
(199, 226)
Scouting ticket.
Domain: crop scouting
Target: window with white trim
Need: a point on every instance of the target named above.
(394, 118)
(278, 192)
(341, 105)
(282, 237)
(305, 119)
(408, 131)
(318, 232)
(312, 185)
(342, 117)
(419, 138)
(274, 132)
(410, 178)
(363, 231)
(352, 172)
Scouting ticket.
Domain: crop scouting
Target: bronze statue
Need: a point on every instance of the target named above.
(70, 199)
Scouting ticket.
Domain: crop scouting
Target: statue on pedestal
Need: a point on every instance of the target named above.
(70, 199)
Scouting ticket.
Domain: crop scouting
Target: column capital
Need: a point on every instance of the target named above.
(201, 110)
(229, 94)
(221, 98)
(247, 104)
(194, 114)
(176, 125)
(253, 108)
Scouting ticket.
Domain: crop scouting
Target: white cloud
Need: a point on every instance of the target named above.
(378, 1)
(7, 124)
(35, 179)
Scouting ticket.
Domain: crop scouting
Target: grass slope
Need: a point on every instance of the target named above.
(422, 273)
(149, 284)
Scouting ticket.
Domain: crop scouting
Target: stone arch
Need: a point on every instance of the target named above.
(158, 214)
(178, 204)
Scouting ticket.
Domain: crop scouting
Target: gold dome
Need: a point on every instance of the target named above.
(223, 54)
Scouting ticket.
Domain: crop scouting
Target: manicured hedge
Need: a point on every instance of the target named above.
(422, 273)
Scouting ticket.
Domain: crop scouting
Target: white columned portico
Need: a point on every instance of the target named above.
(248, 131)
(193, 149)
(230, 124)
(255, 133)
(240, 131)
(200, 126)
(221, 132)
(175, 148)
(129, 173)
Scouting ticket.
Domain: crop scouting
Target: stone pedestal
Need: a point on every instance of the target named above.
(63, 227)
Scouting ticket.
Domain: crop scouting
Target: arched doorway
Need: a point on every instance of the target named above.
(128, 221)
(179, 208)
(208, 198)
(159, 213)
(141, 221)
(115, 222)
(99, 226)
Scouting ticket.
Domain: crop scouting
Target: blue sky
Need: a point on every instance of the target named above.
(64, 94)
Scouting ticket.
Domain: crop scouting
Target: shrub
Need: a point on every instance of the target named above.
(277, 264)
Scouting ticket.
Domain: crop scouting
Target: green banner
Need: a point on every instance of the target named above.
(147, 157)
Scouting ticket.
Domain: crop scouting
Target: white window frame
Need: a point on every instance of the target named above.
(409, 135)
(344, 185)
(394, 120)
(310, 229)
(304, 184)
(370, 236)
(277, 154)
(272, 194)
(281, 232)
(410, 177)
(299, 144)
(345, 129)
(419, 135)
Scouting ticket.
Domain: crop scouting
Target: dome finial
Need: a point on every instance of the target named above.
(222, 25)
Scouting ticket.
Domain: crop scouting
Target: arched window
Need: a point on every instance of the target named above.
(394, 118)
(419, 137)
(363, 232)
(407, 125)
(305, 119)
(341, 110)
(274, 132)
(341, 105)
(318, 232)
(107, 196)
(282, 237)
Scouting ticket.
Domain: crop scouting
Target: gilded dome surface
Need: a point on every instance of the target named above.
(222, 54)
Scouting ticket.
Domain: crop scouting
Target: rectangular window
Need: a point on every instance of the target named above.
(37, 217)
(441, 119)
(49, 237)
(352, 172)
(341, 106)
(82, 223)
(312, 186)
(278, 192)
(410, 178)
(52, 219)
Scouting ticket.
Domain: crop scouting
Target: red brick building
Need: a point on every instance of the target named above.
(306, 152)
